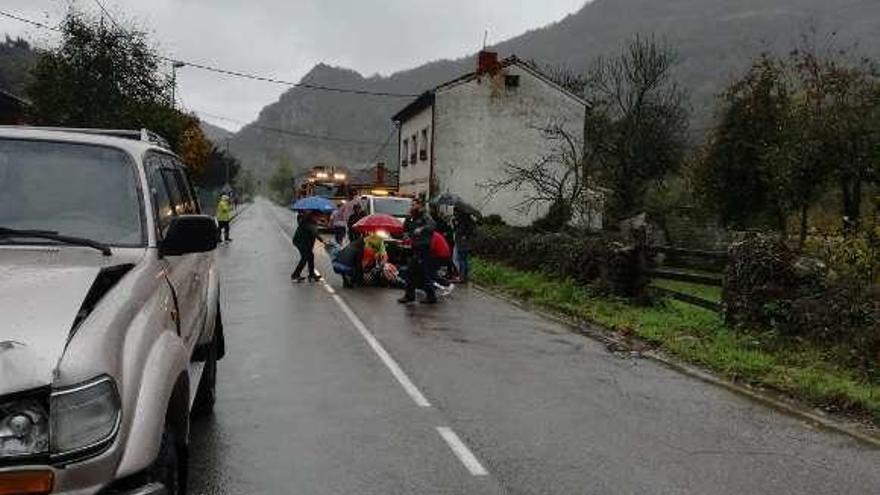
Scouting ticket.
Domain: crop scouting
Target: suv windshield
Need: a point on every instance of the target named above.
(396, 207)
(73, 189)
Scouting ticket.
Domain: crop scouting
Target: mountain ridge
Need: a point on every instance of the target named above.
(715, 39)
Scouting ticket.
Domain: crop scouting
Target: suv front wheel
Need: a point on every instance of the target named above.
(206, 395)
(170, 468)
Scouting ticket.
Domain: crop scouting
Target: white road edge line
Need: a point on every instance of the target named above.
(374, 343)
(462, 451)
(386, 358)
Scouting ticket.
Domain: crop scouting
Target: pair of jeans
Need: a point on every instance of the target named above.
(306, 257)
(461, 261)
(339, 233)
(224, 229)
(420, 276)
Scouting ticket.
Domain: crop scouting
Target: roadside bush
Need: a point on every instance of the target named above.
(766, 285)
(844, 313)
(556, 219)
(760, 274)
(492, 221)
(855, 256)
(599, 262)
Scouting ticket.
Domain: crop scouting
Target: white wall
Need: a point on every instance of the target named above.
(415, 177)
(481, 124)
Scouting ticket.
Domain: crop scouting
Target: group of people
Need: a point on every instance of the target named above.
(432, 243)
(426, 231)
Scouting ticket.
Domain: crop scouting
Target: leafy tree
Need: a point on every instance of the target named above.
(195, 149)
(245, 182)
(106, 75)
(221, 168)
(789, 128)
(636, 126)
(736, 173)
(17, 58)
(281, 182)
(845, 99)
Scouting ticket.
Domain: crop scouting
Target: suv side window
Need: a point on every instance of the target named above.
(177, 198)
(159, 190)
(190, 204)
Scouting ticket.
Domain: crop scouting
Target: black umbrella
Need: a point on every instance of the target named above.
(447, 199)
(451, 199)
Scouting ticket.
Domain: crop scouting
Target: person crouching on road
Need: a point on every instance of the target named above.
(304, 239)
(419, 227)
(224, 216)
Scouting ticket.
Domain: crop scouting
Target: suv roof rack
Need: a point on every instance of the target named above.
(144, 135)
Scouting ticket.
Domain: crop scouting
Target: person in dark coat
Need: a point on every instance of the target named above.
(350, 260)
(357, 214)
(304, 239)
(419, 227)
(464, 226)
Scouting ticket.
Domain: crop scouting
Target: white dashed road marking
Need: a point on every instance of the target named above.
(462, 451)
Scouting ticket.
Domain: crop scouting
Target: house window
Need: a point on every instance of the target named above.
(404, 153)
(511, 81)
(414, 149)
(423, 149)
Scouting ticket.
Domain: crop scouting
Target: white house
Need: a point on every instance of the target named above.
(459, 135)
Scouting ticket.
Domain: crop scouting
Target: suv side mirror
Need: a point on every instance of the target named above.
(189, 234)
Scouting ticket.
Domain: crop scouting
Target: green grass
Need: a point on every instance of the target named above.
(707, 292)
(700, 337)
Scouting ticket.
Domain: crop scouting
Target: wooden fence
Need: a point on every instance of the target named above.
(711, 258)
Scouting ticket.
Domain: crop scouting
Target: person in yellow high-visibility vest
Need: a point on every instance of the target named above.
(224, 216)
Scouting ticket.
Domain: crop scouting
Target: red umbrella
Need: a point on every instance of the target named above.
(379, 222)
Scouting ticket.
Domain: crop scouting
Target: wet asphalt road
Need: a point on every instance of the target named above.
(306, 404)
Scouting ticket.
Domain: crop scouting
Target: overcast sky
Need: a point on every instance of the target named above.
(286, 38)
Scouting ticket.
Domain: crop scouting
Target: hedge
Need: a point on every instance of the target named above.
(767, 285)
(603, 263)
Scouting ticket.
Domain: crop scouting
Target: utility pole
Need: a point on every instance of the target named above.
(174, 66)
(226, 160)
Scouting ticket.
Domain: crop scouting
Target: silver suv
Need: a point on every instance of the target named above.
(110, 326)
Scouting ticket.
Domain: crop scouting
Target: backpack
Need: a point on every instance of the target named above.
(439, 247)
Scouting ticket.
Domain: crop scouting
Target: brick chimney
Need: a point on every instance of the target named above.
(380, 173)
(487, 62)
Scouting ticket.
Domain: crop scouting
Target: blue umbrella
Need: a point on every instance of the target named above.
(314, 203)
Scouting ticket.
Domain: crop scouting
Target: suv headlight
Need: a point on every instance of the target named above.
(59, 425)
(24, 428)
(84, 418)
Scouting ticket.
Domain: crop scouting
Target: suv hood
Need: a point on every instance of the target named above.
(38, 305)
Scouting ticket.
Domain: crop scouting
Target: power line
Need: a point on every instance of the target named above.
(28, 21)
(236, 73)
(385, 144)
(273, 80)
(291, 133)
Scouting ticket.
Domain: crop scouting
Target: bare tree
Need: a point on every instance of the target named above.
(556, 178)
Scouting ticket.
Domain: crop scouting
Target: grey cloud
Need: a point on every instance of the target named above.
(284, 38)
